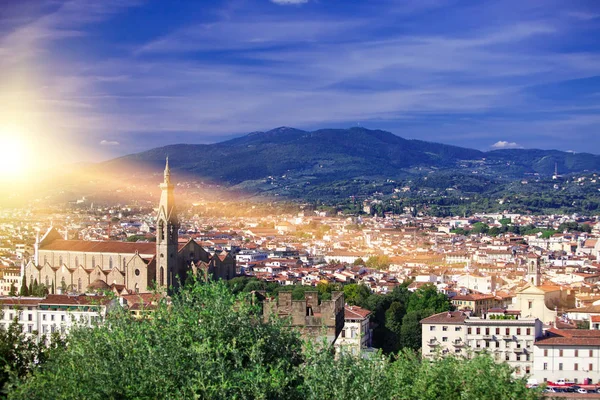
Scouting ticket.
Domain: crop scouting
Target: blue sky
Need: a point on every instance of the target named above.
(113, 77)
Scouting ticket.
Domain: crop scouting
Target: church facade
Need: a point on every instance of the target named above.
(81, 266)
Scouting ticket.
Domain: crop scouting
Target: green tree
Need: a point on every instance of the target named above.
(359, 261)
(378, 262)
(356, 294)
(13, 290)
(20, 354)
(207, 343)
(24, 291)
(427, 297)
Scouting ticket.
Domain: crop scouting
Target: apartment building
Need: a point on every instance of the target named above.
(54, 313)
(570, 354)
(507, 337)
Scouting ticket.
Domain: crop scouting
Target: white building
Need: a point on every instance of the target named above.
(506, 339)
(54, 313)
(571, 354)
(356, 334)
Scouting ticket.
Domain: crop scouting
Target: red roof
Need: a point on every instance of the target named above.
(86, 246)
(570, 337)
(65, 299)
(355, 312)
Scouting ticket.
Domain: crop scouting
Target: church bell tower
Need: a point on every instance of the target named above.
(167, 226)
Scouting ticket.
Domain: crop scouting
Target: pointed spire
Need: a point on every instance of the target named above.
(167, 172)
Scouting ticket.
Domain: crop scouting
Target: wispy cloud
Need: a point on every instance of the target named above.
(288, 2)
(109, 143)
(258, 66)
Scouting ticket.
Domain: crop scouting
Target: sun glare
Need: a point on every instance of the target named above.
(13, 160)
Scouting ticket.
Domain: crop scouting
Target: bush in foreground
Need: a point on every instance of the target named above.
(211, 344)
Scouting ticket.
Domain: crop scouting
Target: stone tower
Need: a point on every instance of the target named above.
(534, 274)
(167, 226)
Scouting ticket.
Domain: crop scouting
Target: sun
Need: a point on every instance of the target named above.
(13, 160)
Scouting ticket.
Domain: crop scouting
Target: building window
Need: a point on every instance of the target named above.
(576, 367)
(560, 367)
(507, 331)
(576, 353)
(47, 281)
(30, 317)
(529, 331)
(518, 331)
(76, 262)
(560, 353)
(79, 285)
(457, 328)
(93, 262)
(497, 344)
(343, 333)
(487, 331)
(444, 328)
(444, 339)
(591, 353)
(469, 331)
(591, 367)
(497, 331)
(162, 276)
(478, 331)
(110, 263)
(530, 304)
(124, 263)
(545, 352)
(432, 328)
(60, 260)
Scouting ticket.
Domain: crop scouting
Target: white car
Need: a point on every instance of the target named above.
(582, 390)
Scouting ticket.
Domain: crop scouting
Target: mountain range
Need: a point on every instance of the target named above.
(292, 162)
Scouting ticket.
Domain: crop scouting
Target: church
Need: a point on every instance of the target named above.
(80, 266)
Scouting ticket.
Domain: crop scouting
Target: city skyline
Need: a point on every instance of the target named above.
(117, 77)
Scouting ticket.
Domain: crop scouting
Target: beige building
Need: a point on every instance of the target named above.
(75, 265)
(9, 276)
(538, 302)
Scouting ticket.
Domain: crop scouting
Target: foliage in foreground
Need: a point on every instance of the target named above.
(211, 344)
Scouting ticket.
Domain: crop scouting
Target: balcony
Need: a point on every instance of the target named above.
(488, 337)
(508, 337)
(458, 343)
(520, 350)
(433, 342)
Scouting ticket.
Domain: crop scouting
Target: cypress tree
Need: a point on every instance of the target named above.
(24, 291)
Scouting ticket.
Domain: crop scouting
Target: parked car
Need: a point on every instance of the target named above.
(581, 390)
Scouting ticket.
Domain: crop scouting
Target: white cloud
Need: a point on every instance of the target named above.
(286, 2)
(109, 143)
(502, 144)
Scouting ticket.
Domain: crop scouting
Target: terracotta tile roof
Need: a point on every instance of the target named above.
(451, 317)
(474, 297)
(65, 299)
(86, 246)
(355, 312)
(19, 301)
(570, 337)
